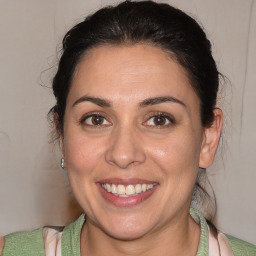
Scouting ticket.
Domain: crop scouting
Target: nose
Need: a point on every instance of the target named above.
(125, 149)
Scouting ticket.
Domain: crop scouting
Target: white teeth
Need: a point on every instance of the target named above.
(138, 189)
(120, 189)
(108, 187)
(150, 186)
(114, 189)
(129, 190)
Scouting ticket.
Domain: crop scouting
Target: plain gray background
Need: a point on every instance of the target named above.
(33, 190)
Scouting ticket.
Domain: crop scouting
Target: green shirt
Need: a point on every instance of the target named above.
(32, 243)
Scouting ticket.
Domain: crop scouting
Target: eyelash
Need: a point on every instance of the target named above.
(91, 115)
(167, 118)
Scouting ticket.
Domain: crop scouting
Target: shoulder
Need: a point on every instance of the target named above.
(240, 247)
(2, 242)
(50, 240)
(71, 237)
(23, 243)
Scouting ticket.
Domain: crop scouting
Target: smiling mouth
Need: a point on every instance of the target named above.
(128, 190)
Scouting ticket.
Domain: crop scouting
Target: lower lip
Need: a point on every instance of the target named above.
(126, 201)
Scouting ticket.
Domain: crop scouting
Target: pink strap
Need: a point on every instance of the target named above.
(219, 246)
(225, 246)
(52, 241)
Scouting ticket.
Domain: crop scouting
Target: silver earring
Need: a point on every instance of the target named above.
(62, 163)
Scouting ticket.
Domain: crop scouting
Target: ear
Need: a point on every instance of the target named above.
(59, 133)
(211, 137)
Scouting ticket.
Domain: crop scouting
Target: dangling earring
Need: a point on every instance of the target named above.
(62, 163)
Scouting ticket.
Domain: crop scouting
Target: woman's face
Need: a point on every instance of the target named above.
(132, 139)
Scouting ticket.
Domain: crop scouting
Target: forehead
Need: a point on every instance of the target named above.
(140, 71)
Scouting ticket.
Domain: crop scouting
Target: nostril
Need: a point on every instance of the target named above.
(125, 152)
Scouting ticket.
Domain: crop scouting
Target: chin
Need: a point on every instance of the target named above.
(129, 234)
(128, 228)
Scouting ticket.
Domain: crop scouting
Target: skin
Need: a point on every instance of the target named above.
(128, 144)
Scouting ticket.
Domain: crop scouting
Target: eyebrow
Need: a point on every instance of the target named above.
(159, 100)
(98, 101)
(147, 102)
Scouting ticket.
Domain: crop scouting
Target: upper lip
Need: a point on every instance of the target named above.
(131, 181)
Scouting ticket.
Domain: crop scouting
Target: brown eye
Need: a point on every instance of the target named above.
(95, 120)
(159, 120)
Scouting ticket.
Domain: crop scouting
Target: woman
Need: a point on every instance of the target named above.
(136, 116)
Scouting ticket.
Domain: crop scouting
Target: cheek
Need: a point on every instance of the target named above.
(178, 158)
(176, 153)
(82, 154)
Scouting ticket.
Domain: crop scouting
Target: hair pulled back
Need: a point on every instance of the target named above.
(160, 25)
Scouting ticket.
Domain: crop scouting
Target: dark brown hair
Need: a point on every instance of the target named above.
(142, 22)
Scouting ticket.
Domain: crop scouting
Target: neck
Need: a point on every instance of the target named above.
(177, 238)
